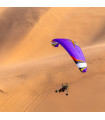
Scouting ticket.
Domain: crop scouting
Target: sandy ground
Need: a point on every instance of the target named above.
(31, 69)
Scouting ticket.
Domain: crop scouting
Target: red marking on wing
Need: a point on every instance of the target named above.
(76, 59)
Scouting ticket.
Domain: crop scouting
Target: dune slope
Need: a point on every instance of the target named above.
(27, 36)
(31, 69)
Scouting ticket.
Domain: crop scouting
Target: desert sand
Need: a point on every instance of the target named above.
(32, 69)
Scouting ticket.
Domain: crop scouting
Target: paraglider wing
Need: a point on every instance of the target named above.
(74, 51)
(55, 44)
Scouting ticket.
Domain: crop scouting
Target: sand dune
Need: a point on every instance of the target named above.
(84, 25)
(15, 24)
(31, 69)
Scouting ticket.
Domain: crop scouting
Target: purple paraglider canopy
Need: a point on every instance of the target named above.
(74, 51)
